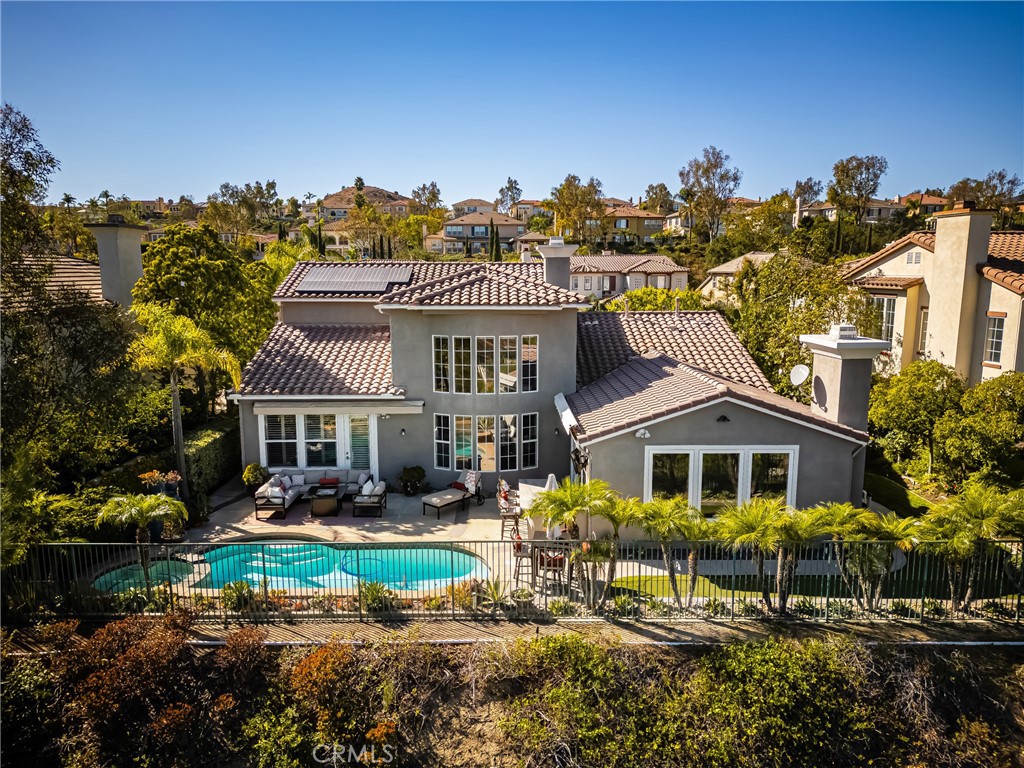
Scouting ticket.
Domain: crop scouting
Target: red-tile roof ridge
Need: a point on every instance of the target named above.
(483, 284)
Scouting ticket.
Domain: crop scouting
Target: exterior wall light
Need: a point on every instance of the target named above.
(643, 434)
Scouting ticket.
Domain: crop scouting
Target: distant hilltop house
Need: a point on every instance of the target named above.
(340, 204)
(928, 204)
(953, 294)
(472, 205)
(525, 209)
(470, 234)
(877, 210)
(260, 239)
(718, 285)
(630, 224)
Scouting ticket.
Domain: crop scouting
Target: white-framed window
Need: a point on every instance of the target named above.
(442, 441)
(660, 281)
(886, 308)
(485, 445)
(520, 230)
(442, 369)
(321, 440)
(508, 364)
(462, 354)
(529, 363)
(463, 443)
(587, 283)
(359, 442)
(478, 232)
(994, 340)
(621, 224)
(606, 283)
(485, 365)
(652, 224)
(529, 440)
(575, 283)
(713, 478)
(508, 445)
(280, 440)
(922, 336)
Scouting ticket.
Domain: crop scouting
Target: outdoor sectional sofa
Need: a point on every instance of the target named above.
(293, 487)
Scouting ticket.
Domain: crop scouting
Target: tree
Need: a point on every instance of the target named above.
(764, 228)
(618, 512)
(106, 197)
(359, 184)
(908, 407)
(854, 184)
(809, 190)
(754, 524)
(508, 196)
(292, 209)
(578, 209)
(139, 511)
(170, 343)
(998, 191)
(712, 183)
(657, 199)
(359, 200)
(663, 519)
(793, 528)
(540, 222)
(426, 198)
(658, 300)
(566, 503)
(843, 522)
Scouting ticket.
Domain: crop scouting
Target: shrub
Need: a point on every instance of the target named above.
(841, 609)
(749, 608)
(376, 597)
(716, 608)
(903, 609)
(625, 606)
(996, 609)
(434, 603)
(255, 474)
(805, 606)
(934, 608)
(462, 595)
(656, 608)
(238, 596)
(561, 607)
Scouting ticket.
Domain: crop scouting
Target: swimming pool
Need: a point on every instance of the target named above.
(132, 577)
(296, 566)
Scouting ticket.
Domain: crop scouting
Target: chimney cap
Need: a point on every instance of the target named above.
(842, 341)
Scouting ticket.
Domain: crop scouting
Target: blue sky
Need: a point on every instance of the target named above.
(153, 99)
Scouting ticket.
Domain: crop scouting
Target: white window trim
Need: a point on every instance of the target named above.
(536, 365)
(433, 363)
(435, 441)
(344, 434)
(536, 441)
(697, 452)
(499, 420)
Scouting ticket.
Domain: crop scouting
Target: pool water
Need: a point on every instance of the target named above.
(132, 577)
(298, 566)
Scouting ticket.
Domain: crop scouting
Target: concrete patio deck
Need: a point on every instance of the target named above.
(403, 520)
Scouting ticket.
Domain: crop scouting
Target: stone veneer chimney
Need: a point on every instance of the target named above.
(953, 283)
(556, 261)
(842, 374)
(120, 251)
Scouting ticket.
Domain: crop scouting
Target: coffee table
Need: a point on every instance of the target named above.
(323, 501)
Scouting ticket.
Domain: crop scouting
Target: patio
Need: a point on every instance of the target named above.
(403, 520)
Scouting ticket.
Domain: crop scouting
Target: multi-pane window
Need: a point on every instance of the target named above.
(922, 339)
(885, 306)
(587, 283)
(528, 361)
(485, 443)
(485, 365)
(529, 440)
(359, 441)
(507, 437)
(321, 440)
(442, 441)
(621, 223)
(575, 283)
(769, 475)
(453, 231)
(281, 441)
(508, 364)
(441, 365)
(994, 340)
(463, 364)
(463, 442)
(479, 231)
(719, 482)
(670, 476)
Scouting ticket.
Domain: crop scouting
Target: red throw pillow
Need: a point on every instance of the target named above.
(329, 481)
(458, 486)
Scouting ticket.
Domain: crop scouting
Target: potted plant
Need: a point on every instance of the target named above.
(153, 481)
(254, 475)
(523, 598)
(171, 481)
(411, 479)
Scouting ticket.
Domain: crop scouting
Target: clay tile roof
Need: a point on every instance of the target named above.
(67, 272)
(472, 201)
(483, 284)
(733, 266)
(924, 239)
(322, 360)
(485, 217)
(1005, 265)
(887, 283)
(630, 212)
(624, 263)
(655, 385)
(607, 340)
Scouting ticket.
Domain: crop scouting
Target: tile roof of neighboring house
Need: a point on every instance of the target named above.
(924, 239)
(472, 201)
(923, 199)
(530, 202)
(655, 385)
(624, 263)
(632, 212)
(614, 202)
(346, 197)
(733, 266)
(68, 272)
(337, 225)
(533, 237)
(484, 284)
(887, 283)
(485, 218)
(742, 201)
(322, 360)
(264, 237)
(607, 340)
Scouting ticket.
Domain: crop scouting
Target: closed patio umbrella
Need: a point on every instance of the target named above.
(554, 530)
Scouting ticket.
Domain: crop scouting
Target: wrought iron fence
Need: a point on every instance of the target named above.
(307, 580)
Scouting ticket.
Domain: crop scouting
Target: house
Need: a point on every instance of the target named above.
(974, 280)
(472, 205)
(68, 273)
(717, 286)
(634, 225)
(928, 204)
(525, 209)
(496, 367)
(471, 233)
(678, 223)
(616, 202)
(530, 240)
(611, 274)
(340, 204)
(877, 210)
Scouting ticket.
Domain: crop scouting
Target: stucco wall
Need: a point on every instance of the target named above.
(825, 471)
(313, 312)
(995, 298)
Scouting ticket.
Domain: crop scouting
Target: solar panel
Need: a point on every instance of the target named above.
(353, 278)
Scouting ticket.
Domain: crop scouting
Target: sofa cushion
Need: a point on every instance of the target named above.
(329, 482)
(298, 479)
(378, 489)
(313, 476)
(360, 477)
(367, 488)
(335, 474)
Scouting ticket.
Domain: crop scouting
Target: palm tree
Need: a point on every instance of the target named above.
(105, 196)
(844, 522)
(171, 343)
(619, 512)
(754, 524)
(569, 500)
(694, 528)
(663, 520)
(892, 533)
(793, 528)
(67, 200)
(140, 510)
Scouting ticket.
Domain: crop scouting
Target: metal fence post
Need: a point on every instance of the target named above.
(359, 586)
(732, 582)
(924, 585)
(451, 575)
(828, 582)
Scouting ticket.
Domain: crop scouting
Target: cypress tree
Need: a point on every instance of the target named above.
(381, 249)
(391, 255)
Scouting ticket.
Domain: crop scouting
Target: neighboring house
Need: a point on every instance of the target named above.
(472, 232)
(877, 210)
(678, 223)
(473, 205)
(611, 274)
(616, 202)
(629, 224)
(68, 273)
(494, 366)
(340, 204)
(717, 286)
(524, 209)
(528, 241)
(952, 295)
(929, 204)
(260, 239)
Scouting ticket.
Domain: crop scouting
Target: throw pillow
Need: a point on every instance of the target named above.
(458, 486)
(329, 481)
(363, 477)
(298, 480)
(367, 488)
(275, 481)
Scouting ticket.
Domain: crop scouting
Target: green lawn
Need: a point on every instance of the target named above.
(903, 501)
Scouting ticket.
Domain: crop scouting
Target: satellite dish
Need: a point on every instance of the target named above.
(799, 375)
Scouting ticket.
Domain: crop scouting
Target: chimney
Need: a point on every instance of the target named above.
(951, 275)
(120, 251)
(556, 261)
(799, 208)
(842, 374)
